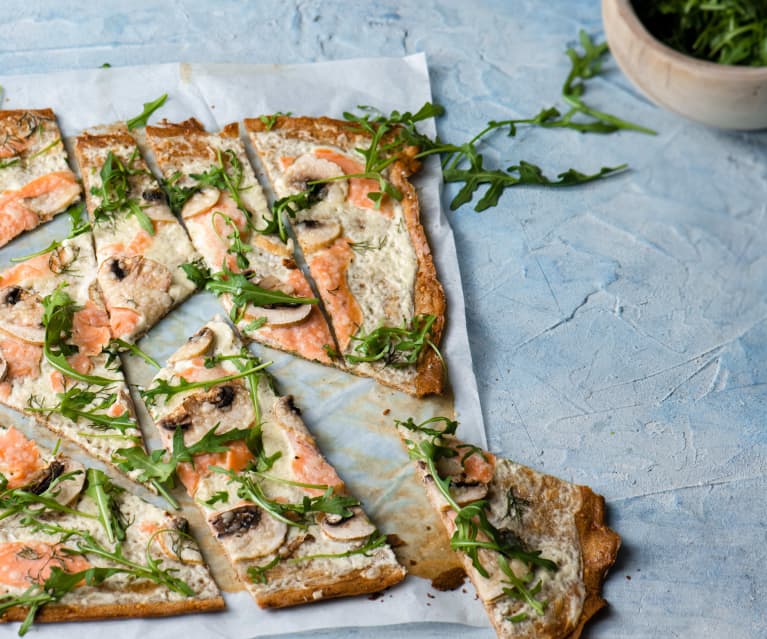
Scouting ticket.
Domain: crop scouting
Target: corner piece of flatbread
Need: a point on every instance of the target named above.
(564, 521)
(281, 564)
(372, 263)
(26, 554)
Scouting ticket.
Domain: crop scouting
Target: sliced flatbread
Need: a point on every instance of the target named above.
(59, 519)
(371, 261)
(527, 513)
(140, 245)
(36, 182)
(277, 507)
(53, 363)
(224, 232)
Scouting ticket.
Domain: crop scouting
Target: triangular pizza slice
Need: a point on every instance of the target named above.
(365, 247)
(76, 546)
(536, 547)
(36, 182)
(214, 189)
(277, 507)
(140, 245)
(55, 362)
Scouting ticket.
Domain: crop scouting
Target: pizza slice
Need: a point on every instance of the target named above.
(55, 362)
(536, 547)
(75, 546)
(36, 182)
(213, 187)
(140, 245)
(360, 233)
(276, 506)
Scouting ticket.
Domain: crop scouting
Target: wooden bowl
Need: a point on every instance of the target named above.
(720, 95)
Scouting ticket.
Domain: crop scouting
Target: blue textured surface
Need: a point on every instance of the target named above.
(618, 330)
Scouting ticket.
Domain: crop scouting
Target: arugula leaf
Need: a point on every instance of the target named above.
(9, 163)
(149, 108)
(103, 492)
(58, 314)
(220, 496)
(22, 501)
(291, 205)
(473, 530)
(114, 190)
(257, 574)
(244, 292)
(53, 589)
(117, 345)
(228, 175)
(178, 195)
(236, 246)
(396, 346)
(197, 273)
(163, 387)
(77, 403)
(723, 31)
(78, 224)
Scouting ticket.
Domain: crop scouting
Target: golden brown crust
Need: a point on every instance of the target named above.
(599, 548)
(107, 140)
(429, 294)
(320, 586)
(189, 140)
(13, 115)
(84, 612)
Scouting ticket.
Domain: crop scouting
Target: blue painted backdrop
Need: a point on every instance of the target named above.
(618, 329)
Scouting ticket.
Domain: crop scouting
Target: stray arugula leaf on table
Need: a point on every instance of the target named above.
(149, 108)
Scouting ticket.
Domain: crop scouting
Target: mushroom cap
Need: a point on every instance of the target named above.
(197, 345)
(136, 283)
(226, 406)
(3, 367)
(358, 526)
(247, 531)
(174, 542)
(316, 234)
(21, 314)
(279, 315)
(65, 490)
(308, 167)
(200, 202)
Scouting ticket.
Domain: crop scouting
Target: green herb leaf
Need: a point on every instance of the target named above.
(77, 403)
(103, 492)
(149, 108)
(114, 192)
(117, 345)
(58, 313)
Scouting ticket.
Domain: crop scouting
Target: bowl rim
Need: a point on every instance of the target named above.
(625, 10)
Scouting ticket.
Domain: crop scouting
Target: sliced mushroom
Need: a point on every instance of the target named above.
(248, 532)
(62, 258)
(357, 526)
(174, 541)
(316, 234)
(307, 168)
(200, 202)
(64, 477)
(288, 414)
(21, 314)
(53, 201)
(197, 345)
(466, 492)
(227, 406)
(3, 367)
(278, 314)
(136, 283)
(274, 245)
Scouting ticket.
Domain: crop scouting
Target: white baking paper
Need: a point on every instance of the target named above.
(352, 418)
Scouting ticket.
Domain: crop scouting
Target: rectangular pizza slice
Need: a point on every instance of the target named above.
(277, 507)
(536, 547)
(213, 187)
(36, 182)
(76, 546)
(365, 247)
(55, 362)
(140, 245)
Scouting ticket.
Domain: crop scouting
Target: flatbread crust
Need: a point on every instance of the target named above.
(151, 281)
(331, 569)
(429, 296)
(59, 612)
(566, 520)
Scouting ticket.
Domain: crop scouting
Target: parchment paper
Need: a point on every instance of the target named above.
(352, 418)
